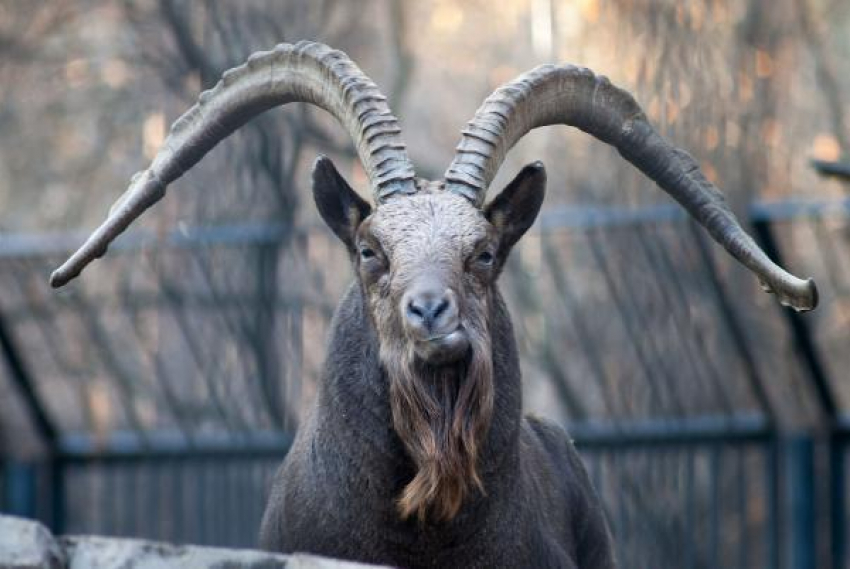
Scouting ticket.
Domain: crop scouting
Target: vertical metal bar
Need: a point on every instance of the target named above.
(131, 498)
(235, 487)
(838, 499)
(109, 501)
(234, 507)
(20, 492)
(255, 476)
(743, 538)
(154, 518)
(119, 506)
(773, 527)
(200, 505)
(219, 508)
(714, 514)
(178, 502)
(690, 510)
(800, 486)
(623, 530)
(57, 494)
(224, 512)
(658, 468)
(94, 475)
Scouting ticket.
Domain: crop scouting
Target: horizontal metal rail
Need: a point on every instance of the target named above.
(17, 245)
(672, 432)
(834, 169)
(128, 446)
(787, 210)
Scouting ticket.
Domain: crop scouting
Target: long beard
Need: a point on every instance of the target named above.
(442, 415)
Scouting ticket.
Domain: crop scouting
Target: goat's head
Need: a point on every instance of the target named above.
(427, 264)
(428, 255)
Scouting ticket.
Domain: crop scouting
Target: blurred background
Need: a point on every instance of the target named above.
(156, 395)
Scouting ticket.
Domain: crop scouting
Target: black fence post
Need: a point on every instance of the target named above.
(837, 499)
(773, 527)
(20, 489)
(56, 515)
(799, 464)
(800, 500)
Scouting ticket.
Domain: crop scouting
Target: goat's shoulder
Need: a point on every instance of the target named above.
(550, 462)
(563, 480)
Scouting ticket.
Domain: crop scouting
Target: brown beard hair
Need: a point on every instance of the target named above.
(441, 414)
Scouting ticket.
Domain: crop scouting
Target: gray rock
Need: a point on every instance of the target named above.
(106, 553)
(302, 561)
(25, 544)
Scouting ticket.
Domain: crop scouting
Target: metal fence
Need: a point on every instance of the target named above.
(710, 422)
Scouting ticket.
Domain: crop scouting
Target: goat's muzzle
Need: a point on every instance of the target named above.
(431, 318)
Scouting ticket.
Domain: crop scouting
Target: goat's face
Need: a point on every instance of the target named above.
(427, 264)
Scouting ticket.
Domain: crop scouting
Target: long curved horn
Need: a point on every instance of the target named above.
(305, 72)
(576, 96)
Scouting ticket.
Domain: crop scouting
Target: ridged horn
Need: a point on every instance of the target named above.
(575, 96)
(305, 72)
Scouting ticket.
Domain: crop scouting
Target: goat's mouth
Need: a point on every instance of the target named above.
(442, 349)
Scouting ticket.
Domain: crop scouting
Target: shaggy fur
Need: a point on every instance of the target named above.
(419, 461)
(441, 414)
(336, 493)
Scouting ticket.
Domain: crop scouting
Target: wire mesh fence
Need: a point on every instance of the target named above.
(175, 374)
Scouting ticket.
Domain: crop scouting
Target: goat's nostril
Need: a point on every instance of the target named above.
(415, 311)
(441, 307)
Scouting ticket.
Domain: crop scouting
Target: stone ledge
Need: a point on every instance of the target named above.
(28, 545)
(25, 544)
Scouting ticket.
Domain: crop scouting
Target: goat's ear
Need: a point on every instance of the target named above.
(339, 205)
(514, 210)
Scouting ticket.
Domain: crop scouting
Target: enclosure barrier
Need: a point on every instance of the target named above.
(732, 486)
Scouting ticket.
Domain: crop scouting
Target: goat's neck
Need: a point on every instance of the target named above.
(354, 418)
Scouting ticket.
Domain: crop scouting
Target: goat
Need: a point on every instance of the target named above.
(416, 452)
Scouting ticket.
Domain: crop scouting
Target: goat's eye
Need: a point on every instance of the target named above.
(485, 258)
(366, 253)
